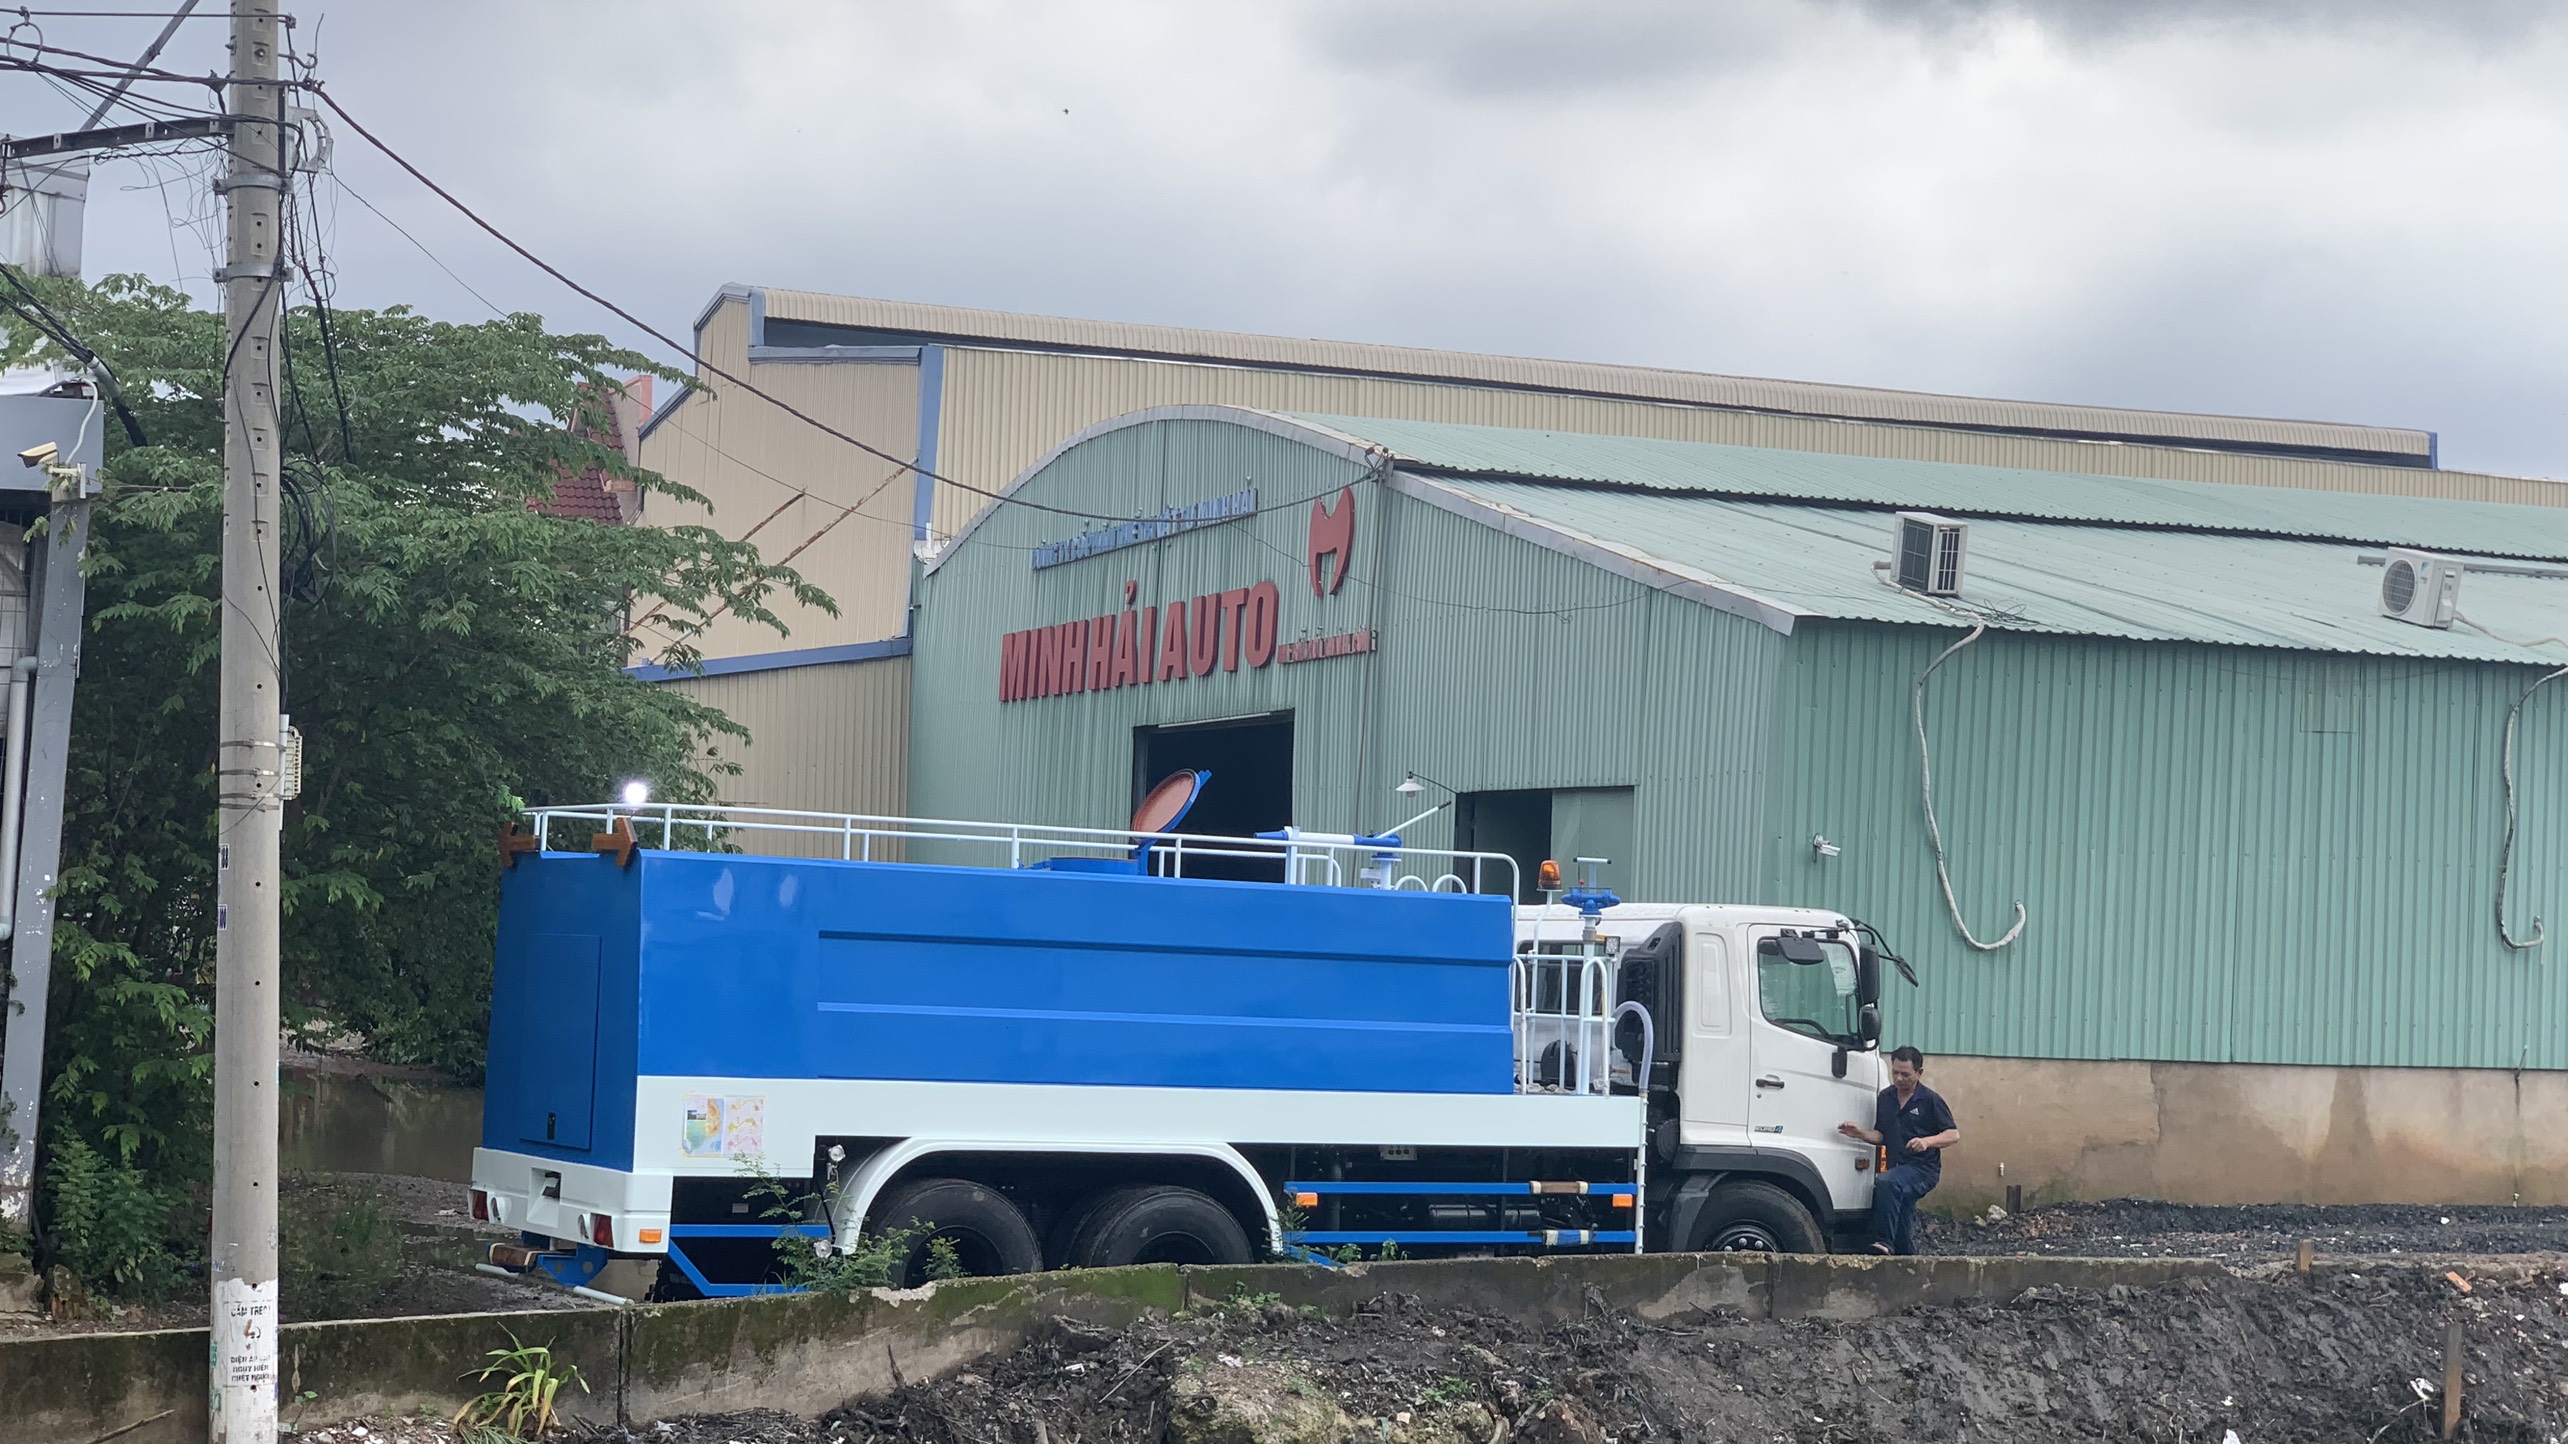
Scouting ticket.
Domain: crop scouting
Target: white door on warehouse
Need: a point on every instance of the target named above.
(1594, 822)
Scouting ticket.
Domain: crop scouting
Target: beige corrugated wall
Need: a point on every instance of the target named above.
(1005, 409)
(1001, 410)
(827, 738)
(810, 501)
(1003, 329)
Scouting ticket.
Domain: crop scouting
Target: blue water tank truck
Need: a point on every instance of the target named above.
(1036, 1047)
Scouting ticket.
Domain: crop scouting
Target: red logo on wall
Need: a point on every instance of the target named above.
(1332, 535)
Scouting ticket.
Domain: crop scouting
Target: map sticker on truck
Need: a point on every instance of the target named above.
(744, 1125)
(701, 1135)
(723, 1127)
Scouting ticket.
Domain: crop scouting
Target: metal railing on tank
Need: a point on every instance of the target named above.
(1300, 857)
(1565, 988)
(1564, 1020)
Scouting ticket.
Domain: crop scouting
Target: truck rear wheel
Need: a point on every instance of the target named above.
(1157, 1224)
(988, 1234)
(1752, 1217)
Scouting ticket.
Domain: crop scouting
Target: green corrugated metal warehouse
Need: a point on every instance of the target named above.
(2255, 826)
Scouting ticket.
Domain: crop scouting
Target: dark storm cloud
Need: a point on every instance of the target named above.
(2480, 22)
(1507, 49)
(2338, 210)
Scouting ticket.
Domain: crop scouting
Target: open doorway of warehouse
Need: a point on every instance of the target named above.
(1562, 824)
(1251, 790)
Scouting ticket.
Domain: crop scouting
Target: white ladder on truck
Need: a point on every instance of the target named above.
(1564, 1015)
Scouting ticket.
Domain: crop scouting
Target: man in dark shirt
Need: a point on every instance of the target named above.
(1914, 1125)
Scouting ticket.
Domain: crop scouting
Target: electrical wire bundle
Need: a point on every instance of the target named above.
(23, 302)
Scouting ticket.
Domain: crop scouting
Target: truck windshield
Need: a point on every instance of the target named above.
(1816, 999)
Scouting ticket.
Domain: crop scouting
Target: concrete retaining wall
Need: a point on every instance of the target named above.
(2222, 1133)
(809, 1353)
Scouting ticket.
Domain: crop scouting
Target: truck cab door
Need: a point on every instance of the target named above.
(1805, 1011)
(1713, 1080)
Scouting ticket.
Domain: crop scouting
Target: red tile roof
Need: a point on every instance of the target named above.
(593, 494)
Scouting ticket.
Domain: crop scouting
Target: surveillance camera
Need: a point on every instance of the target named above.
(38, 454)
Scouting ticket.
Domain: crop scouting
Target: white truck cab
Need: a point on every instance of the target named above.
(1761, 1036)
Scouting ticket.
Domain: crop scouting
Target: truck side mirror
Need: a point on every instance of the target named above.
(1867, 974)
(1798, 949)
(1868, 1023)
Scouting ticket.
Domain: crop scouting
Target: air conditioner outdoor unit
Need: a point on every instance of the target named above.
(1928, 551)
(2421, 587)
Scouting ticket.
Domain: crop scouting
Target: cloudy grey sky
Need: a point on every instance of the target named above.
(2350, 210)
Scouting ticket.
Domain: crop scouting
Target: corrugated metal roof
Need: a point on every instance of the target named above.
(1640, 382)
(2053, 577)
(2495, 529)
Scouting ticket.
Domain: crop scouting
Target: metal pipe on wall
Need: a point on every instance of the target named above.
(20, 661)
(56, 592)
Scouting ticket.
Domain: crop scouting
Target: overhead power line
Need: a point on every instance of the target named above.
(122, 69)
(184, 12)
(689, 352)
(150, 53)
(31, 308)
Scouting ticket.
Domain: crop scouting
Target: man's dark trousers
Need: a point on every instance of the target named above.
(1895, 1196)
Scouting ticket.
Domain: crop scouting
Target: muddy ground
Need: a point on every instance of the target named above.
(2246, 1233)
(2355, 1355)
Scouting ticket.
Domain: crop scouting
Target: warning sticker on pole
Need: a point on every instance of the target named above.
(245, 1334)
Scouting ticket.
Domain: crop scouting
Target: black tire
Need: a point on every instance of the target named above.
(989, 1234)
(1061, 1241)
(1752, 1217)
(1158, 1224)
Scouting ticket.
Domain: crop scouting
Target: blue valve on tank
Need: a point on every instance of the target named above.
(1590, 897)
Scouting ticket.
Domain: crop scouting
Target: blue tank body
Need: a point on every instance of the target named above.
(709, 965)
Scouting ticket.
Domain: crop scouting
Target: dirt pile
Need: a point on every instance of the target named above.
(2348, 1356)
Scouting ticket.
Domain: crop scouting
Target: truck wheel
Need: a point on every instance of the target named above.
(1752, 1217)
(1158, 1225)
(988, 1234)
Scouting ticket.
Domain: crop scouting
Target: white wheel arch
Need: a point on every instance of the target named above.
(861, 1187)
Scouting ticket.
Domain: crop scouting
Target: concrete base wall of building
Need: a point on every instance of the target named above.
(2240, 1133)
(2062, 1130)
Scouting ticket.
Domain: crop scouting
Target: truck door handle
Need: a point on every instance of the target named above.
(1769, 1081)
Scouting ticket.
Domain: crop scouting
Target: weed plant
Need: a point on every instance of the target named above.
(521, 1407)
(821, 1264)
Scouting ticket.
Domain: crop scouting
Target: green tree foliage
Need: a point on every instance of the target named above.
(464, 652)
(107, 1223)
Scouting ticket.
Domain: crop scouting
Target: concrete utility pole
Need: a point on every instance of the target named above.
(247, 866)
